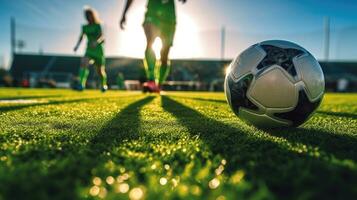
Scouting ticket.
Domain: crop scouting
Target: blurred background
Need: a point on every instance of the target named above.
(37, 39)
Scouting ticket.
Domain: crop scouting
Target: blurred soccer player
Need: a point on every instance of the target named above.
(160, 21)
(94, 54)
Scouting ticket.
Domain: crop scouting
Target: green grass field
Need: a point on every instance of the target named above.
(127, 145)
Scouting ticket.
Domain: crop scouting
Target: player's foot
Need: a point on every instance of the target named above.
(104, 88)
(79, 88)
(155, 88)
(151, 87)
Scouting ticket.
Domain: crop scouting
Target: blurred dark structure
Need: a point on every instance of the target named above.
(33, 70)
(5, 78)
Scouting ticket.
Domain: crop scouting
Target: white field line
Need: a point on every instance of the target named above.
(20, 101)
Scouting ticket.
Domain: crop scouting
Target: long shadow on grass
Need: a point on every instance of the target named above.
(27, 178)
(286, 173)
(337, 145)
(123, 126)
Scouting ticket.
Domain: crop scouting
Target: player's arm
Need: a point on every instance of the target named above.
(78, 42)
(100, 38)
(123, 18)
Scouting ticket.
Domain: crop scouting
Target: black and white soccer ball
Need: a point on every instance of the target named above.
(274, 84)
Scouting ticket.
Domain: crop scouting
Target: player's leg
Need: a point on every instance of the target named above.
(103, 77)
(99, 62)
(164, 68)
(83, 72)
(150, 57)
(167, 36)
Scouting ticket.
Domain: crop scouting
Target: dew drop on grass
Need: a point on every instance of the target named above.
(110, 180)
(125, 176)
(120, 179)
(153, 167)
(136, 193)
(123, 188)
(97, 181)
(167, 167)
(219, 170)
(214, 183)
(122, 170)
(224, 162)
(163, 181)
(94, 191)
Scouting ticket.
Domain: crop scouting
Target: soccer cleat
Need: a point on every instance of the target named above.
(151, 87)
(79, 88)
(154, 87)
(104, 88)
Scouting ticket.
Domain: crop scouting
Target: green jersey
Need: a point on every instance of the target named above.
(161, 10)
(93, 32)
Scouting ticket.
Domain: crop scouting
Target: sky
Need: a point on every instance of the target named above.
(53, 26)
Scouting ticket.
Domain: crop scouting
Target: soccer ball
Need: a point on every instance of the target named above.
(274, 84)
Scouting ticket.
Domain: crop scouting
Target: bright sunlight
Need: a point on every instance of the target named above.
(133, 42)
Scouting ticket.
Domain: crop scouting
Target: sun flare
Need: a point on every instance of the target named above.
(157, 46)
(186, 42)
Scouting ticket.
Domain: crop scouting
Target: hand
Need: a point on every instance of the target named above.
(122, 23)
(183, 1)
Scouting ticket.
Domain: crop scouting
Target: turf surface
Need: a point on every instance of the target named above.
(59, 144)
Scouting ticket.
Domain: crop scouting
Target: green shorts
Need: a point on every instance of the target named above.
(164, 29)
(96, 55)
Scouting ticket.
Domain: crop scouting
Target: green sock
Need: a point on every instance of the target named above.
(149, 64)
(104, 79)
(83, 75)
(163, 73)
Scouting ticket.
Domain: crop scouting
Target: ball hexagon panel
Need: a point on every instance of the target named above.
(247, 61)
(279, 56)
(236, 93)
(311, 74)
(302, 112)
(274, 89)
